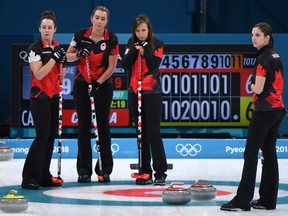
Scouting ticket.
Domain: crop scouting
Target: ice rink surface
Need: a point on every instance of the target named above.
(122, 197)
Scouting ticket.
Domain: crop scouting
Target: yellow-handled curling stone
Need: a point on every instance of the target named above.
(13, 203)
(6, 152)
(176, 193)
(202, 190)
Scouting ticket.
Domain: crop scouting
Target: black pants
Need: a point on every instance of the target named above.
(151, 137)
(102, 101)
(37, 164)
(262, 133)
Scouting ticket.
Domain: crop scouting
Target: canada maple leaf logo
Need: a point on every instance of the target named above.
(33, 57)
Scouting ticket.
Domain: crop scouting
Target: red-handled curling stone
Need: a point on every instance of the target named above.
(202, 190)
(6, 152)
(13, 203)
(176, 193)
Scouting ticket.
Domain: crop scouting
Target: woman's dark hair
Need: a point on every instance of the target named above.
(101, 8)
(139, 20)
(267, 30)
(48, 14)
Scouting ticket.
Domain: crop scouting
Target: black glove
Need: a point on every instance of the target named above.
(59, 52)
(137, 44)
(63, 60)
(144, 43)
(133, 47)
(95, 87)
(83, 53)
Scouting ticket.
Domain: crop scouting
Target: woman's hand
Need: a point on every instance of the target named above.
(140, 48)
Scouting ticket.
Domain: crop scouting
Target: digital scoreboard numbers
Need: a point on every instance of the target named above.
(119, 113)
(21, 114)
(207, 86)
(203, 86)
(119, 104)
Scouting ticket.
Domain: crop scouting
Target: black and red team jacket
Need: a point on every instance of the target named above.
(269, 65)
(99, 52)
(150, 63)
(49, 85)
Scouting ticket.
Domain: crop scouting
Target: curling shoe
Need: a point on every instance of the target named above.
(84, 178)
(30, 186)
(51, 184)
(104, 179)
(231, 207)
(160, 181)
(143, 181)
(257, 204)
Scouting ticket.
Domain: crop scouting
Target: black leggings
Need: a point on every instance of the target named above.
(37, 164)
(151, 137)
(262, 134)
(102, 101)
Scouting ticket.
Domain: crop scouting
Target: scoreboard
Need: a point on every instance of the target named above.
(203, 86)
(21, 82)
(207, 85)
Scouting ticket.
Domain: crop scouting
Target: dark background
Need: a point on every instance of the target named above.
(19, 23)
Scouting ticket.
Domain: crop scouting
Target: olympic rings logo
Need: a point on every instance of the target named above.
(24, 56)
(188, 149)
(114, 148)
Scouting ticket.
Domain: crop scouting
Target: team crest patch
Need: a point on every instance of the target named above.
(103, 46)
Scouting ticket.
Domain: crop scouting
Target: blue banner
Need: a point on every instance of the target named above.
(174, 148)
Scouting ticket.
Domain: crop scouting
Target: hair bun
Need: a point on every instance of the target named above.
(49, 13)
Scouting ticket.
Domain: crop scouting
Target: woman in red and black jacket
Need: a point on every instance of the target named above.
(267, 85)
(143, 44)
(100, 48)
(45, 57)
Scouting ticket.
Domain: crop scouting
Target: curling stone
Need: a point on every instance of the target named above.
(176, 194)
(13, 203)
(202, 190)
(5, 152)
